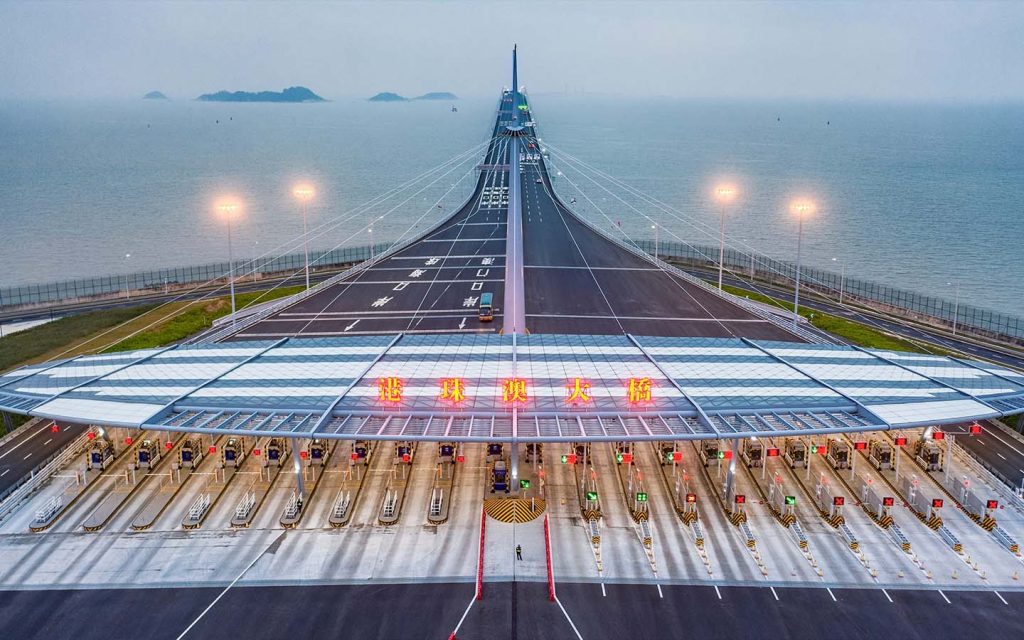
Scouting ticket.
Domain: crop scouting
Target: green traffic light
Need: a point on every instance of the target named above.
(721, 455)
(591, 496)
(790, 500)
(641, 497)
(524, 483)
(618, 457)
(565, 459)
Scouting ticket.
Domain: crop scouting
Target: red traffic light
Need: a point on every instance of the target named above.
(355, 456)
(860, 445)
(168, 445)
(936, 503)
(888, 501)
(406, 457)
(303, 454)
(677, 456)
(974, 429)
(838, 501)
(54, 428)
(740, 498)
(772, 452)
(821, 449)
(992, 504)
(627, 458)
(938, 435)
(901, 441)
(460, 458)
(91, 435)
(128, 440)
(691, 497)
(727, 455)
(255, 452)
(213, 449)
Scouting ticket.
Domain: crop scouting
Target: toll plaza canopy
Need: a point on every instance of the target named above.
(465, 387)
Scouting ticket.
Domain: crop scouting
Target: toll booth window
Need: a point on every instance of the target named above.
(493, 449)
(186, 456)
(229, 454)
(143, 456)
(273, 454)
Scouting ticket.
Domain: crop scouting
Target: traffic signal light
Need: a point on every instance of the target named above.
(938, 435)
(838, 501)
(691, 498)
(128, 440)
(54, 428)
(888, 501)
(772, 452)
(460, 458)
(255, 452)
(937, 503)
(901, 441)
(627, 458)
(213, 449)
(91, 435)
(992, 504)
(641, 496)
(168, 445)
(524, 483)
(591, 496)
(740, 498)
(790, 500)
(974, 429)
(860, 445)
(303, 454)
(725, 454)
(406, 457)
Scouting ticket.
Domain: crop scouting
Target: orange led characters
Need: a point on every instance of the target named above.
(579, 392)
(639, 390)
(513, 390)
(453, 390)
(389, 389)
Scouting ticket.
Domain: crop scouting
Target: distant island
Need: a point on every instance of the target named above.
(388, 96)
(437, 95)
(154, 95)
(291, 94)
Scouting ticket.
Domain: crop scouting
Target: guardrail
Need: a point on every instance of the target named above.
(990, 475)
(16, 495)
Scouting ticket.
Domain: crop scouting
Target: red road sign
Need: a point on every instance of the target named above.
(677, 456)
(860, 445)
(213, 449)
(938, 435)
(303, 454)
(901, 441)
(460, 458)
(838, 501)
(168, 445)
(255, 452)
(772, 452)
(54, 428)
(936, 503)
(727, 454)
(128, 440)
(740, 498)
(91, 435)
(627, 458)
(974, 429)
(888, 502)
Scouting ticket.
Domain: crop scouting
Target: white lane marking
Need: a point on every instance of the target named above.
(1000, 598)
(660, 594)
(886, 593)
(566, 614)
(349, 327)
(944, 597)
(603, 591)
(27, 456)
(48, 442)
(834, 595)
(227, 588)
(6, 471)
(717, 592)
(24, 440)
(462, 325)
(990, 432)
(1000, 455)
(775, 594)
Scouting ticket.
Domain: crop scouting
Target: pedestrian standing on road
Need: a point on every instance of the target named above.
(519, 552)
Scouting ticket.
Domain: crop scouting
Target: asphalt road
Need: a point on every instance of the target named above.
(1002, 453)
(511, 611)
(30, 447)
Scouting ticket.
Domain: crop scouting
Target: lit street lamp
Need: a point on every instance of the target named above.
(655, 227)
(842, 281)
(802, 209)
(724, 194)
(305, 193)
(127, 291)
(255, 271)
(228, 210)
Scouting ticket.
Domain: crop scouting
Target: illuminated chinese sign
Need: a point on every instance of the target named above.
(639, 390)
(453, 390)
(579, 392)
(389, 389)
(513, 390)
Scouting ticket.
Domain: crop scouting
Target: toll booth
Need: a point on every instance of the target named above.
(838, 454)
(101, 454)
(752, 452)
(318, 452)
(708, 452)
(360, 452)
(928, 454)
(148, 454)
(232, 453)
(403, 453)
(190, 453)
(500, 481)
(582, 451)
(277, 451)
(446, 451)
(494, 451)
(665, 453)
(534, 452)
(623, 452)
(795, 454)
(880, 455)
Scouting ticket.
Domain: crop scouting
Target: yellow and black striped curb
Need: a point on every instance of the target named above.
(514, 510)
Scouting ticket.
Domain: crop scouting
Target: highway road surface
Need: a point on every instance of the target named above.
(31, 446)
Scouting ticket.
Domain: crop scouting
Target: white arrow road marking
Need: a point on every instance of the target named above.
(462, 325)
(349, 327)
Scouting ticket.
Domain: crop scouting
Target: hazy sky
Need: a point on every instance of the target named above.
(877, 50)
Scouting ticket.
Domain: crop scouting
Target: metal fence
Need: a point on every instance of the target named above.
(968, 318)
(164, 279)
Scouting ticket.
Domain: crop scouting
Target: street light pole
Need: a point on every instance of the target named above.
(956, 305)
(228, 209)
(725, 194)
(801, 208)
(127, 291)
(655, 227)
(304, 192)
(255, 271)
